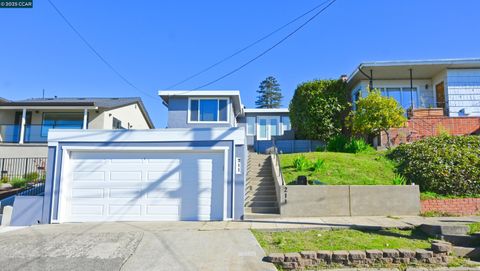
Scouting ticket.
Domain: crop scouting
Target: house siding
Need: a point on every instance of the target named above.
(178, 115)
(129, 115)
(463, 92)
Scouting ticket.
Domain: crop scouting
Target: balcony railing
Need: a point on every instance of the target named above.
(34, 133)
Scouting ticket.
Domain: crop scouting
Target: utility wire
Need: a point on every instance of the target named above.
(268, 50)
(110, 66)
(247, 47)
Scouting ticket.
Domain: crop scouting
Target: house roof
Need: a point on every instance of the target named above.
(233, 94)
(266, 110)
(421, 69)
(91, 102)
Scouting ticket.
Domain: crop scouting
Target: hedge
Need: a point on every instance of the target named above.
(447, 165)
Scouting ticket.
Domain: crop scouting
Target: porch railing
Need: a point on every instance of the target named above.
(9, 133)
(26, 175)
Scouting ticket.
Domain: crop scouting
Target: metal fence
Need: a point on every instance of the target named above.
(26, 173)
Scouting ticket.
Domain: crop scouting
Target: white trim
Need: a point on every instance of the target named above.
(22, 126)
(65, 173)
(85, 119)
(199, 109)
(152, 135)
(266, 110)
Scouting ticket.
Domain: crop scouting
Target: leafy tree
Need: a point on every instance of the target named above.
(318, 109)
(269, 94)
(376, 113)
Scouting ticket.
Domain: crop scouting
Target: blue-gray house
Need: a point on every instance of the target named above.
(195, 169)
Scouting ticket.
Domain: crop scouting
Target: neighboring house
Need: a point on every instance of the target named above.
(24, 124)
(444, 94)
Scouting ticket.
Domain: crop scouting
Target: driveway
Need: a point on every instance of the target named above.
(131, 246)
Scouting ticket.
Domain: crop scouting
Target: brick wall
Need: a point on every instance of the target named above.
(466, 206)
(420, 127)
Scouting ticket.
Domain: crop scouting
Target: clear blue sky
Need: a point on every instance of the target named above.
(157, 43)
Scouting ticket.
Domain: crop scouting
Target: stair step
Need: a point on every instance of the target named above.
(261, 204)
(263, 210)
(265, 197)
(462, 240)
(264, 192)
(468, 252)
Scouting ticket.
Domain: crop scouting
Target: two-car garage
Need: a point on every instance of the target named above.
(144, 176)
(138, 186)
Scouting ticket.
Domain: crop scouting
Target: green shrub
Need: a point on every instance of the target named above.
(32, 176)
(446, 165)
(301, 163)
(337, 143)
(18, 182)
(399, 180)
(318, 164)
(358, 145)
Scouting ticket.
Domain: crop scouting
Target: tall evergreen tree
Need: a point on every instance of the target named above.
(269, 94)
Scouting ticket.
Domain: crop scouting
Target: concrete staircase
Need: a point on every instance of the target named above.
(260, 195)
(464, 245)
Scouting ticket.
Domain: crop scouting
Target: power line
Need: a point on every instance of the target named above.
(110, 66)
(246, 47)
(269, 49)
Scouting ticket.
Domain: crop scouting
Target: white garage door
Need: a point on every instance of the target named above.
(130, 186)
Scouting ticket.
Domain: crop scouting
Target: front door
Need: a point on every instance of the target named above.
(267, 127)
(440, 92)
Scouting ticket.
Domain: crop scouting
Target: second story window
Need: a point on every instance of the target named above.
(208, 110)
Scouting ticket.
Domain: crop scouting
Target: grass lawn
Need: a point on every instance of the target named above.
(295, 241)
(342, 168)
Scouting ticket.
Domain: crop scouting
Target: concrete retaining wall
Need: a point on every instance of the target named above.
(349, 200)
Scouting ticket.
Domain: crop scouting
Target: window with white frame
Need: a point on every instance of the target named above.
(286, 124)
(403, 95)
(208, 110)
(251, 125)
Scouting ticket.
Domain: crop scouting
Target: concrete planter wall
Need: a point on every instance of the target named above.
(345, 200)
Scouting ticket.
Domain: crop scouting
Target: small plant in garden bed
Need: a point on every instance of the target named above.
(301, 163)
(18, 182)
(399, 180)
(474, 228)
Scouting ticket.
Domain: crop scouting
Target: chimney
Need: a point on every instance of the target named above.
(344, 77)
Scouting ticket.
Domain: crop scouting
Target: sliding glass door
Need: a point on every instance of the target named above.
(267, 127)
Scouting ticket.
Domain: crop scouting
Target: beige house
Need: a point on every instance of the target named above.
(24, 124)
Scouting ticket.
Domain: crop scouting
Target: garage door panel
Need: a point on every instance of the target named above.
(108, 186)
(88, 193)
(79, 176)
(129, 193)
(88, 209)
(124, 210)
(125, 175)
(163, 176)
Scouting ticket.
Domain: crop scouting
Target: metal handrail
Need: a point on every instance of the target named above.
(277, 158)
